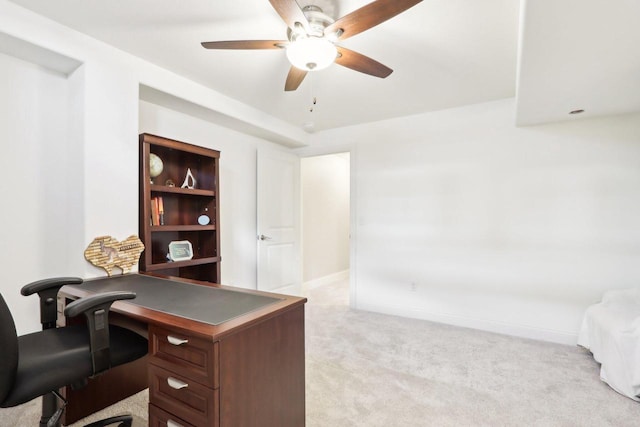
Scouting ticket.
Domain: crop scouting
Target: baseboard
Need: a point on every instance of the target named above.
(287, 290)
(523, 331)
(325, 280)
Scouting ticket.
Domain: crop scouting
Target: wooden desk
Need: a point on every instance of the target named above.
(247, 371)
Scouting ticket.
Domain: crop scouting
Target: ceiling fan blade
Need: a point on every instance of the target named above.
(290, 13)
(246, 44)
(369, 16)
(294, 78)
(358, 62)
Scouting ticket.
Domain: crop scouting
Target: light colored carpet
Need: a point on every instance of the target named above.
(367, 369)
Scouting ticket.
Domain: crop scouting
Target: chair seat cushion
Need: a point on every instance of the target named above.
(54, 358)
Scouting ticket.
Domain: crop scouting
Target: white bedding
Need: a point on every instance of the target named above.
(611, 330)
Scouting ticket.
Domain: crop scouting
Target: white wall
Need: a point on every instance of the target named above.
(237, 183)
(70, 157)
(37, 210)
(325, 215)
(463, 218)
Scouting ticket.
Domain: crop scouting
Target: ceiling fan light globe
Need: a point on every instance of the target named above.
(311, 53)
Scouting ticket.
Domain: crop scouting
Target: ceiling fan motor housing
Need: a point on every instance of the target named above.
(318, 21)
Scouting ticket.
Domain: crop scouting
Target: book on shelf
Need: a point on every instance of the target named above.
(160, 211)
(155, 215)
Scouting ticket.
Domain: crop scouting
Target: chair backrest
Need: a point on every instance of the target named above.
(8, 350)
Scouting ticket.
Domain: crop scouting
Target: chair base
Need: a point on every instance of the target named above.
(50, 406)
(124, 420)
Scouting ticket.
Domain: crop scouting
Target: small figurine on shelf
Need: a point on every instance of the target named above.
(170, 183)
(189, 180)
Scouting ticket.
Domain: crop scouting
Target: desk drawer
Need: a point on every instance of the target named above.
(183, 397)
(160, 418)
(194, 358)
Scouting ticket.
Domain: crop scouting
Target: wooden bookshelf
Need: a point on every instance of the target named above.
(181, 208)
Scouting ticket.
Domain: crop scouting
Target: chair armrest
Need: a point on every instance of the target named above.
(83, 305)
(43, 285)
(96, 310)
(47, 290)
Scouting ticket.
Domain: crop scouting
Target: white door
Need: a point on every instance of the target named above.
(279, 260)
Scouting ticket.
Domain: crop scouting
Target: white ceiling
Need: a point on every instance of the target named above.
(445, 53)
(579, 54)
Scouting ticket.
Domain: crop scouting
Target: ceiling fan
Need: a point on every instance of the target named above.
(312, 38)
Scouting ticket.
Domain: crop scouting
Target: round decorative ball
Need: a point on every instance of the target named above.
(155, 165)
(203, 220)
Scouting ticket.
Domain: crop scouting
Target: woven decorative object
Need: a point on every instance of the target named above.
(106, 252)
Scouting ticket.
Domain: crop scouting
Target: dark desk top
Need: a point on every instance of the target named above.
(196, 302)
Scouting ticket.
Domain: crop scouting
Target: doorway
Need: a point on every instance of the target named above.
(325, 187)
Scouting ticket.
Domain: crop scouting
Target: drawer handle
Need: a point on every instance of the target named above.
(176, 341)
(176, 384)
(171, 423)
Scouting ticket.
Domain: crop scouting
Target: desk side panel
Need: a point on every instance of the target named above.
(262, 373)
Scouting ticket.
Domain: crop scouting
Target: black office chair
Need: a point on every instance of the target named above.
(40, 363)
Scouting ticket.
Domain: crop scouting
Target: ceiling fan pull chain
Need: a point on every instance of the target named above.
(313, 98)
